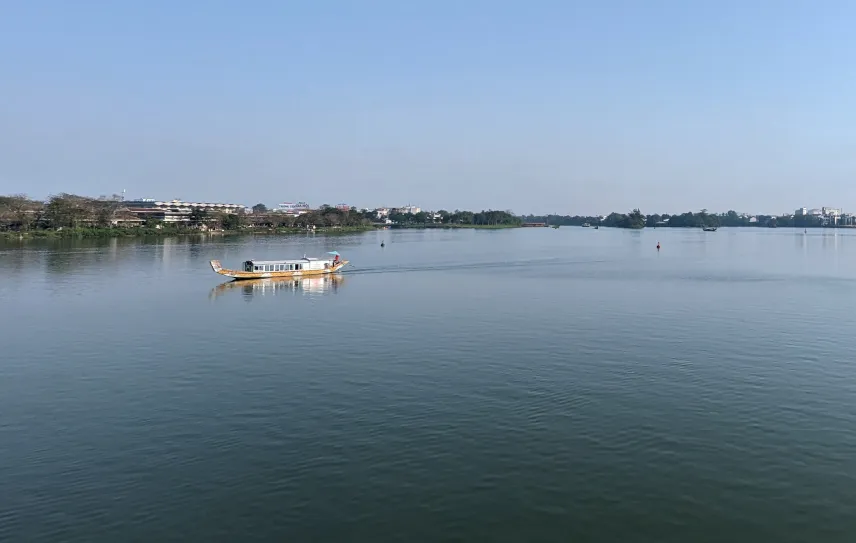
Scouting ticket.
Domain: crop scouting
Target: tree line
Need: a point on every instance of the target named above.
(327, 216)
(21, 214)
(633, 220)
(690, 219)
(457, 217)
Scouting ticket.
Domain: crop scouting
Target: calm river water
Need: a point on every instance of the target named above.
(519, 385)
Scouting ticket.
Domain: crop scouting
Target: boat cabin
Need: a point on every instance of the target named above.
(303, 264)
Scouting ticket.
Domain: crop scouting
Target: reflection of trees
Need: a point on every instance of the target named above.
(15, 262)
(72, 254)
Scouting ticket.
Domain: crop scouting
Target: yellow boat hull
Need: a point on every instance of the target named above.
(238, 274)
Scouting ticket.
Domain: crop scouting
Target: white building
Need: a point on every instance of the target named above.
(178, 211)
(294, 209)
(801, 212)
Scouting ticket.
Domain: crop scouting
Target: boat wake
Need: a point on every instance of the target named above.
(455, 266)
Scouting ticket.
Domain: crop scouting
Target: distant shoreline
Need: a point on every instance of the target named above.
(140, 232)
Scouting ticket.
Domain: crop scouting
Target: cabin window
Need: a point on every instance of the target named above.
(256, 268)
(280, 267)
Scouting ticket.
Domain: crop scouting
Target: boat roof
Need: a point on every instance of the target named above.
(291, 261)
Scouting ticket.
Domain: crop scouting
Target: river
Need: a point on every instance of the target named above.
(454, 385)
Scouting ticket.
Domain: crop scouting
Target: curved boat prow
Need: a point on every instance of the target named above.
(215, 265)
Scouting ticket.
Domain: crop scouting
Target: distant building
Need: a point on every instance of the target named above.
(294, 209)
(382, 212)
(343, 207)
(177, 211)
(801, 212)
(413, 210)
(126, 217)
(815, 212)
(830, 211)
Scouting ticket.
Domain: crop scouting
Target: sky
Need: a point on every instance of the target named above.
(533, 106)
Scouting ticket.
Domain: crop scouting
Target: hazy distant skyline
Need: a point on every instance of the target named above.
(539, 107)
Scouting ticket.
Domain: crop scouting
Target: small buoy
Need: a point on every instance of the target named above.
(382, 244)
(658, 245)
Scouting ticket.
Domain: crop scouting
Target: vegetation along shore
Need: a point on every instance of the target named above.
(70, 215)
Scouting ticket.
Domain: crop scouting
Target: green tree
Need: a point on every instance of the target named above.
(231, 221)
(420, 218)
(69, 210)
(18, 212)
(260, 208)
(462, 217)
(635, 220)
(198, 217)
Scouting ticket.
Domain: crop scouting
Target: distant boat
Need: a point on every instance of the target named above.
(596, 227)
(709, 228)
(555, 226)
(586, 225)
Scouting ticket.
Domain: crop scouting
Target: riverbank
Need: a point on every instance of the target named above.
(118, 232)
(168, 232)
(454, 226)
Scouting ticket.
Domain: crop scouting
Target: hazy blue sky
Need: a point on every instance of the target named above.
(535, 106)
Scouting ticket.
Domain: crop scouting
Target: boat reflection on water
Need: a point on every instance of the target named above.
(261, 287)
